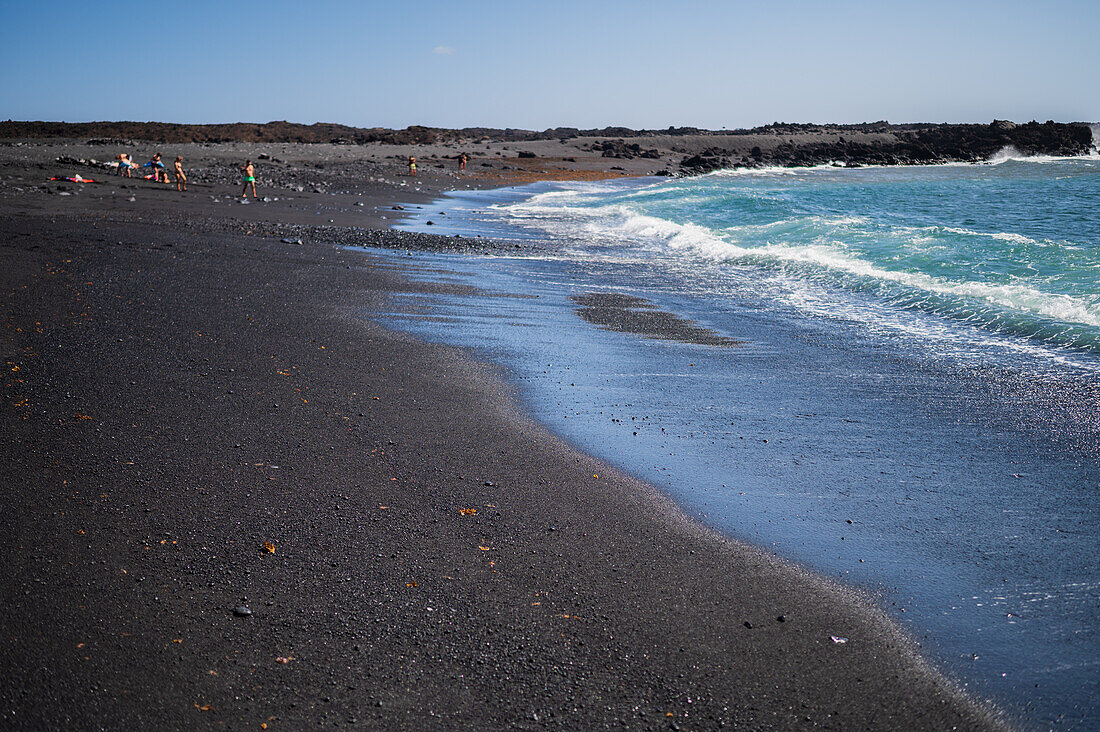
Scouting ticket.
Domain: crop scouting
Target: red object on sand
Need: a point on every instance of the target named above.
(77, 179)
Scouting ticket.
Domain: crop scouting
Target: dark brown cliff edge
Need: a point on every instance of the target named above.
(683, 150)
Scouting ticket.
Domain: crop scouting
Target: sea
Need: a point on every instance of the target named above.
(899, 385)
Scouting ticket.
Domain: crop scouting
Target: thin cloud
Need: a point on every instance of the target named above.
(443, 50)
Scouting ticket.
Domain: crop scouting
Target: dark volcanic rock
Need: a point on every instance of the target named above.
(936, 144)
(113, 141)
(712, 158)
(619, 149)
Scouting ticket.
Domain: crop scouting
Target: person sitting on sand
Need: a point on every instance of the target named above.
(249, 171)
(412, 166)
(125, 165)
(181, 179)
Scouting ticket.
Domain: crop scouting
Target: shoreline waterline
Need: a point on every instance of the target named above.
(197, 371)
(939, 407)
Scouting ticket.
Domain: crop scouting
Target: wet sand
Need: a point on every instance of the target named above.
(201, 417)
(630, 314)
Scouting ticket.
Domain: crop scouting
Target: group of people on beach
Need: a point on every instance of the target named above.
(159, 173)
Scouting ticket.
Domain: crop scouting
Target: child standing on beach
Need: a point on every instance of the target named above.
(462, 162)
(181, 179)
(412, 166)
(249, 179)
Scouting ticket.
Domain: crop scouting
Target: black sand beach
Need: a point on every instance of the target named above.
(202, 417)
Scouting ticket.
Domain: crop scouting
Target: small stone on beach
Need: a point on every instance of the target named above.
(242, 611)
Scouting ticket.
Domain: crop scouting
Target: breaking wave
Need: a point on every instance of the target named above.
(1003, 281)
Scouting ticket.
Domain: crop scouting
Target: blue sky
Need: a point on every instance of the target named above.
(544, 64)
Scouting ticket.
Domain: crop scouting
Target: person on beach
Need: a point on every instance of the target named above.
(412, 166)
(125, 165)
(181, 179)
(462, 161)
(249, 172)
(158, 168)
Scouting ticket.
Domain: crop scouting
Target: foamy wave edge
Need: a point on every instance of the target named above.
(705, 242)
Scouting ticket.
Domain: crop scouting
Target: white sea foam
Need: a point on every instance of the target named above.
(816, 222)
(773, 170)
(834, 256)
(1010, 154)
(938, 336)
(999, 235)
(1015, 238)
(1016, 297)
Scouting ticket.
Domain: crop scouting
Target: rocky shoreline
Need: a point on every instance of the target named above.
(499, 156)
(936, 144)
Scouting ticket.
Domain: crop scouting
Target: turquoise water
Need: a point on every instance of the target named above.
(915, 409)
(1010, 248)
